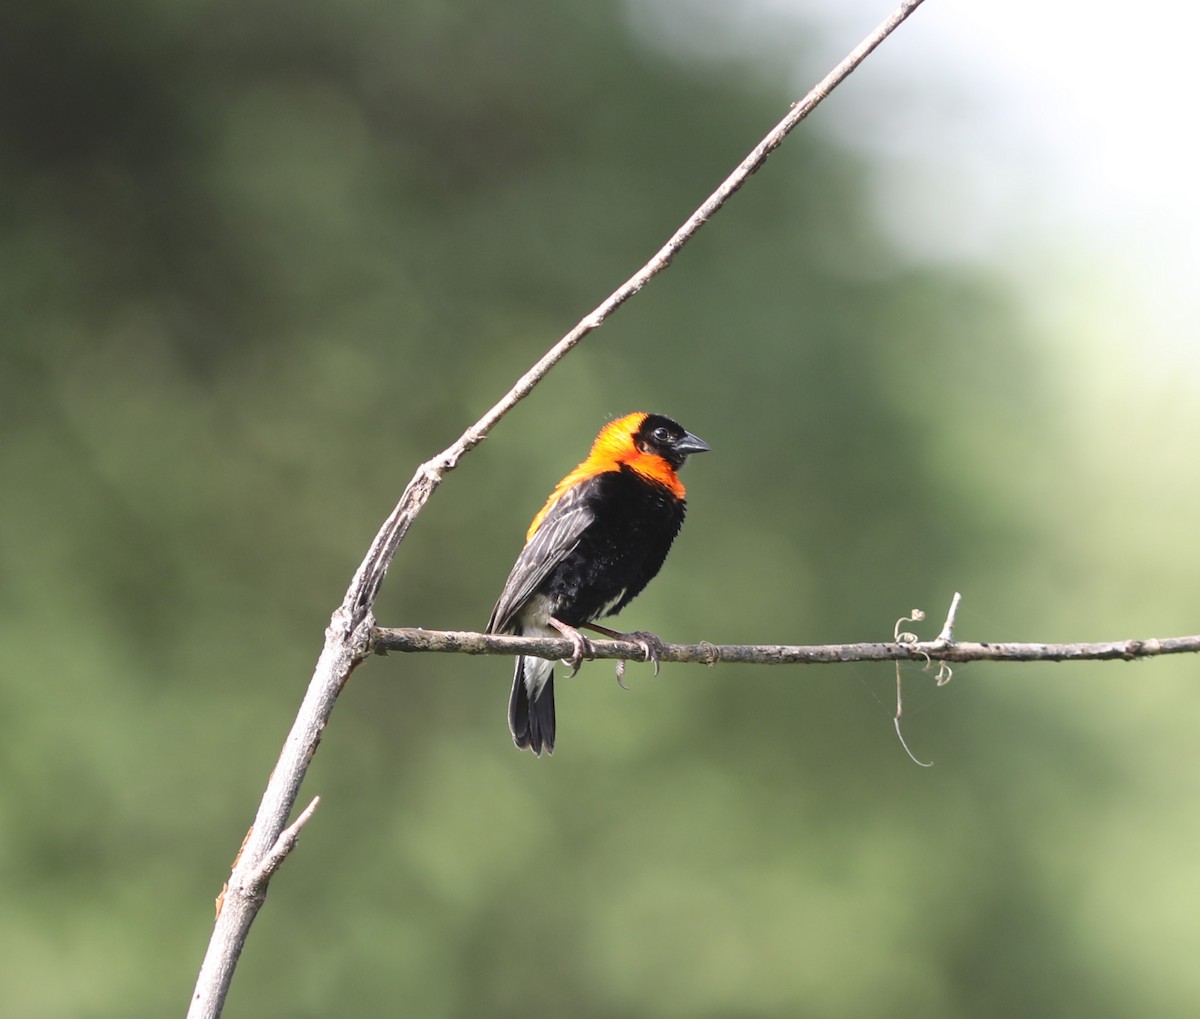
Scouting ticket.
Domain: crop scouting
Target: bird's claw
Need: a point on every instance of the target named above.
(652, 649)
(651, 646)
(581, 648)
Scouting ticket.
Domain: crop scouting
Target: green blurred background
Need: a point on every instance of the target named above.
(261, 259)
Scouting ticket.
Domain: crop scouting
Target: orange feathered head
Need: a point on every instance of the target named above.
(650, 444)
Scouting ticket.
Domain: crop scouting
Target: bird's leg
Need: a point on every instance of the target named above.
(582, 646)
(650, 644)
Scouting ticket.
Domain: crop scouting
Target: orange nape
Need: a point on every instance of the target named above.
(615, 446)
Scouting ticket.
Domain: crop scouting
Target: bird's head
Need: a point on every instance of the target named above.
(660, 436)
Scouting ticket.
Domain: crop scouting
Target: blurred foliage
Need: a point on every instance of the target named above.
(261, 259)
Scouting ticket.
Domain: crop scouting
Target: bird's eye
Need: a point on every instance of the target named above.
(661, 434)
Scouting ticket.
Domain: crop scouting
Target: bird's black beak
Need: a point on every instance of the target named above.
(690, 444)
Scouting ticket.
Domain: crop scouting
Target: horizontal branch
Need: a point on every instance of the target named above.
(415, 639)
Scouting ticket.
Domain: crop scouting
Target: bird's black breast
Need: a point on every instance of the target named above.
(633, 523)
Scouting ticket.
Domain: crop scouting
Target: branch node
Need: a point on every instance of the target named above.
(282, 847)
(947, 634)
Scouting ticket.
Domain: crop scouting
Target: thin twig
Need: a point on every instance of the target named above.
(285, 843)
(947, 634)
(464, 642)
(944, 638)
(348, 637)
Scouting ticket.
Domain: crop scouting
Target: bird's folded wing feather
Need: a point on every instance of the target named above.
(556, 538)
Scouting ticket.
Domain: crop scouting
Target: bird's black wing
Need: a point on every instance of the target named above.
(556, 538)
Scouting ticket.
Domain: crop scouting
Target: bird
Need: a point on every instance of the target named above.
(602, 535)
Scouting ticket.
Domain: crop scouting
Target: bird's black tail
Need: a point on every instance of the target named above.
(532, 720)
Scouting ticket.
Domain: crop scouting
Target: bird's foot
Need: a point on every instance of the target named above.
(582, 647)
(651, 645)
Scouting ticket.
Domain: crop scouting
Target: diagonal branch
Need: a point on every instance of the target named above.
(369, 578)
(347, 639)
(406, 639)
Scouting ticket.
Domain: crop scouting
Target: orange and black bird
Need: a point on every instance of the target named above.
(602, 535)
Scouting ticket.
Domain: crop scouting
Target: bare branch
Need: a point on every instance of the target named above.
(348, 637)
(415, 639)
(947, 633)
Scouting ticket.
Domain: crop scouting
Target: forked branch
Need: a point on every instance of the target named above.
(348, 637)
